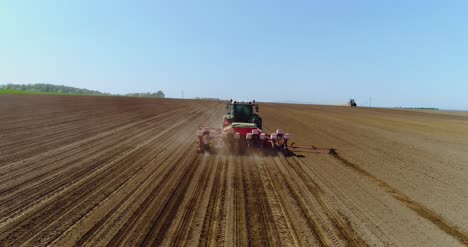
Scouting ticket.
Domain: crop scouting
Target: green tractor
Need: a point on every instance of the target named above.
(242, 132)
(352, 103)
(242, 112)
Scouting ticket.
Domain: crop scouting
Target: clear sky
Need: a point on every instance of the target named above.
(400, 53)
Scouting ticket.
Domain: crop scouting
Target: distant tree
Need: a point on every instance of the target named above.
(160, 94)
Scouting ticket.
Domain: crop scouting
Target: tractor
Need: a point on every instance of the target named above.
(242, 112)
(241, 132)
(352, 103)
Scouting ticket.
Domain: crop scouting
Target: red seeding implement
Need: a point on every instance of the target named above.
(242, 132)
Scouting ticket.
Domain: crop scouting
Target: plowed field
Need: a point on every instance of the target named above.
(123, 171)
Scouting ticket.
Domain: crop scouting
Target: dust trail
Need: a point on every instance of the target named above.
(420, 209)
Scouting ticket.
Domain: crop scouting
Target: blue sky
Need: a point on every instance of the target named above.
(400, 53)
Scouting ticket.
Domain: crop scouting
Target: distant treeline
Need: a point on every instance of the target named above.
(202, 98)
(50, 88)
(158, 94)
(419, 108)
(61, 89)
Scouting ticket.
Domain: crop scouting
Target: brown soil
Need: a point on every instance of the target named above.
(123, 171)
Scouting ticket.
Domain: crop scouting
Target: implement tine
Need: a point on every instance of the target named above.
(313, 149)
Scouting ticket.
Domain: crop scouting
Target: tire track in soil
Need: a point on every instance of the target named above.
(40, 143)
(112, 218)
(111, 221)
(418, 208)
(174, 149)
(193, 233)
(106, 138)
(56, 125)
(75, 214)
(132, 224)
(262, 230)
(287, 230)
(83, 170)
(211, 232)
(162, 193)
(240, 221)
(33, 160)
(181, 233)
(327, 222)
(47, 142)
(121, 166)
(46, 216)
(156, 233)
(298, 209)
(133, 218)
(67, 164)
(227, 237)
(340, 222)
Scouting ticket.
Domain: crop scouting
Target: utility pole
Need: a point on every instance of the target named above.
(370, 101)
(182, 94)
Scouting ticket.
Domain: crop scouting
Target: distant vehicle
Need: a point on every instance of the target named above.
(352, 103)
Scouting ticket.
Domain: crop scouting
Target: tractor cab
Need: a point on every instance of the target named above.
(242, 112)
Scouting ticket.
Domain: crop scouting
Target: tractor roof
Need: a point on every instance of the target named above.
(243, 102)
